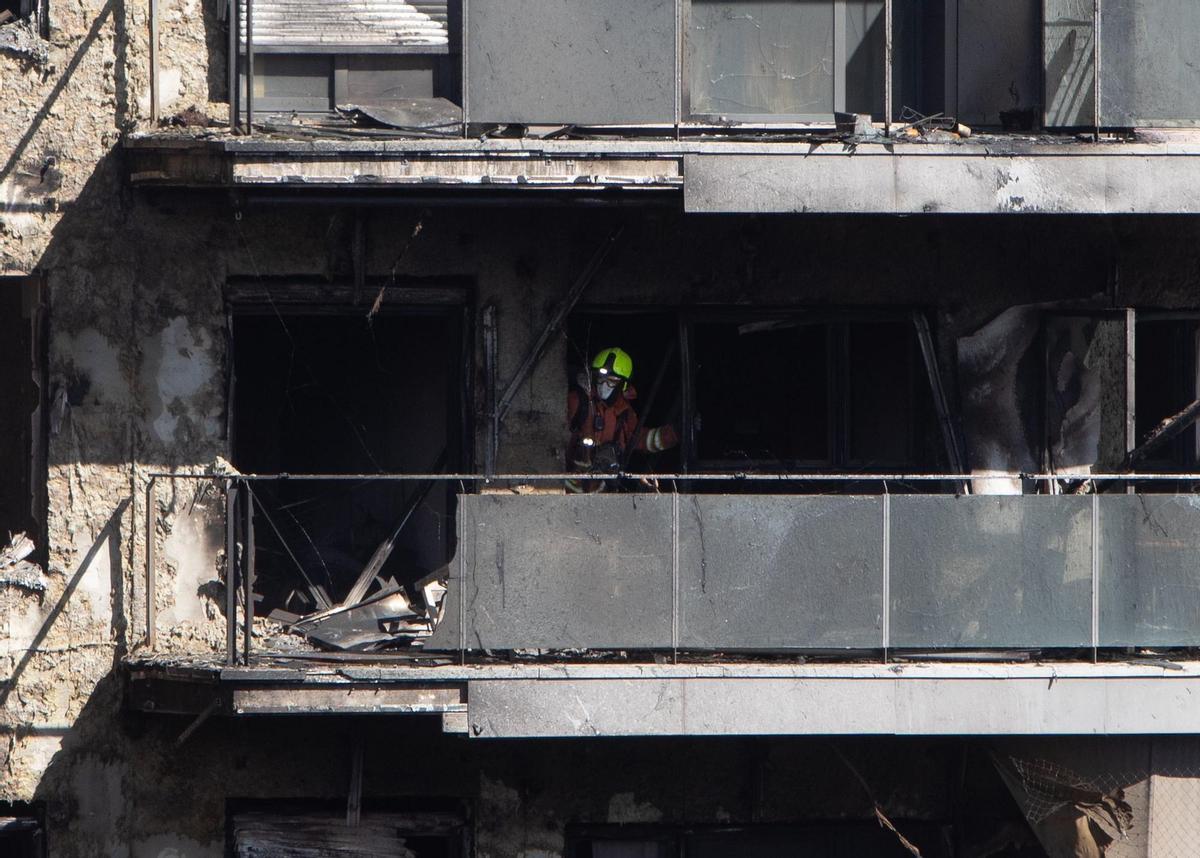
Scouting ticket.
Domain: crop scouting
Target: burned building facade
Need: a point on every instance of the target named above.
(295, 294)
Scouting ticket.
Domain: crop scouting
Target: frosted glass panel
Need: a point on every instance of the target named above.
(761, 58)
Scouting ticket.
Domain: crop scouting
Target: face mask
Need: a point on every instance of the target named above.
(606, 388)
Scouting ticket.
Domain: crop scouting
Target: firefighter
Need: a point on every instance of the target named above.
(603, 423)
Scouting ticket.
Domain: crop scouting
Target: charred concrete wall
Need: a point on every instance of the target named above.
(68, 97)
(138, 363)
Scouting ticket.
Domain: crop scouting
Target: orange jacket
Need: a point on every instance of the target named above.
(612, 422)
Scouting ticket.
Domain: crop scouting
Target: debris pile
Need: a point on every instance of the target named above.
(15, 570)
(20, 39)
(937, 128)
(392, 616)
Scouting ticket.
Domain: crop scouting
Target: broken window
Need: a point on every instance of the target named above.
(322, 390)
(22, 364)
(1166, 383)
(394, 61)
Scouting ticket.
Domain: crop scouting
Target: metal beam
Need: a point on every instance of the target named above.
(955, 450)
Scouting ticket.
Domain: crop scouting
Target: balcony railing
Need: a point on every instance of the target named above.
(692, 571)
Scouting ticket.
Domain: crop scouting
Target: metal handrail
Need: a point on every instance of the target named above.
(726, 476)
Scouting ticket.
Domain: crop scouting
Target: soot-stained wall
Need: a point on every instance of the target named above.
(139, 355)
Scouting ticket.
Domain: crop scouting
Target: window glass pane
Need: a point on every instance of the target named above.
(749, 57)
(292, 76)
(762, 392)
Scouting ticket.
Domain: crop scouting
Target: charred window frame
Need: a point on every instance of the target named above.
(266, 316)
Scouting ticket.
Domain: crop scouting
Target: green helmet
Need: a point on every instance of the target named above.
(614, 362)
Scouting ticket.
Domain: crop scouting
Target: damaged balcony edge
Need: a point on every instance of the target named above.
(497, 701)
(975, 178)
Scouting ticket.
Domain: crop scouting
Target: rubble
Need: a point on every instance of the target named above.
(15, 570)
(20, 39)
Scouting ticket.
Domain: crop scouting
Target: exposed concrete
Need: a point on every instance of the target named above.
(909, 181)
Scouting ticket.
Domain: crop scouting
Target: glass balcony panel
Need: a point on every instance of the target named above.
(991, 572)
(761, 57)
(1149, 570)
(779, 572)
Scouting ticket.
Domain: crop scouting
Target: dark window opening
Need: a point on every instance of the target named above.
(1166, 382)
(652, 341)
(22, 829)
(796, 393)
(21, 374)
(335, 394)
(965, 808)
(773, 391)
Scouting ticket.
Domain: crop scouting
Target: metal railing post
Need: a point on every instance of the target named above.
(151, 583)
(887, 574)
(230, 572)
(679, 53)
(888, 59)
(248, 576)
